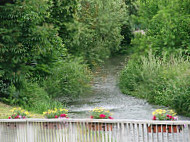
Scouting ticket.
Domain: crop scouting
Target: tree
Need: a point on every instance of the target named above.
(28, 45)
(97, 29)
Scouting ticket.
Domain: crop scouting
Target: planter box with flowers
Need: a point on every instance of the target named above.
(60, 113)
(17, 113)
(167, 115)
(100, 113)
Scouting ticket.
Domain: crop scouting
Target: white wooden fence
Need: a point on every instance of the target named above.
(93, 130)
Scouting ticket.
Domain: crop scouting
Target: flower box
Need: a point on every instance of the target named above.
(164, 128)
(100, 127)
(51, 125)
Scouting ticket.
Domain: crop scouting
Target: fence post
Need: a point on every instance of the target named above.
(29, 132)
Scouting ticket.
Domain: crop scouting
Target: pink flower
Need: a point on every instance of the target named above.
(56, 116)
(91, 117)
(9, 117)
(154, 117)
(110, 117)
(63, 115)
(175, 118)
(102, 116)
(170, 117)
(23, 117)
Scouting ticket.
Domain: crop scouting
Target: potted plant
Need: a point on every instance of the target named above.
(100, 113)
(167, 115)
(55, 114)
(18, 113)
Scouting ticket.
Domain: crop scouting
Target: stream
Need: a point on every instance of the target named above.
(106, 93)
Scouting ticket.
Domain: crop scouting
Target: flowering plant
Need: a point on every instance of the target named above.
(56, 113)
(18, 113)
(100, 113)
(161, 114)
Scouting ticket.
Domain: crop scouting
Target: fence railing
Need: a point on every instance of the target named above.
(93, 130)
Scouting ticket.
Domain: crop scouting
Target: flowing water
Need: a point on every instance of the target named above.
(105, 93)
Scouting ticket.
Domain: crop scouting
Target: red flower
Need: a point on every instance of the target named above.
(9, 117)
(110, 117)
(102, 116)
(170, 117)
(91, 117)
(23, 117)
(63, 115)
(154, 117)
(56, 116)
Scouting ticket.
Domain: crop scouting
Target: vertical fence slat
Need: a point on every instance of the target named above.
(142, 128)
(147, 134)
(189, 131)
(162, 133)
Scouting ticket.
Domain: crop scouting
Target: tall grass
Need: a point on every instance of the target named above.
(161, 80)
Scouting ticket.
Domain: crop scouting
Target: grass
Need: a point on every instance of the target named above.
(160, 80)
(5, 112)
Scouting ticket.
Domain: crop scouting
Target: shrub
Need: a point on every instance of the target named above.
(69, 79)
(166, 24)
(163, 81)
(31, 97)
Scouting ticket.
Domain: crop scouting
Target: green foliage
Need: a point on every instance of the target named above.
(126, 32)
(96, 29)
(35, 37)
(70, 79)
(61, 15)
(166, 25)
(27, 44)
(31, 97)
(163, 81)
(29, 47)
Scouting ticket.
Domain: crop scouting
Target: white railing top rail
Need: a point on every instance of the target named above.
(187, 122)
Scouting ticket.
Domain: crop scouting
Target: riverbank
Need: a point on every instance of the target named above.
(161, 81)
(5, 112)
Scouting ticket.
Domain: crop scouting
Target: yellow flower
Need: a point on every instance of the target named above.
(153, 113)
(26, 112)
(44, 113)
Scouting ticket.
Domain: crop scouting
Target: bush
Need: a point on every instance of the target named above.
(162, 81)
(96, 30)
(69, 79)
(166, 26)
(31, 97)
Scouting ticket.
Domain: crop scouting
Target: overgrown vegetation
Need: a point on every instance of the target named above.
(162, 81)
(166, 24)
(48, 47)
(160, 74)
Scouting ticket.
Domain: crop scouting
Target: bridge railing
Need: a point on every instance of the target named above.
(93, 130)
